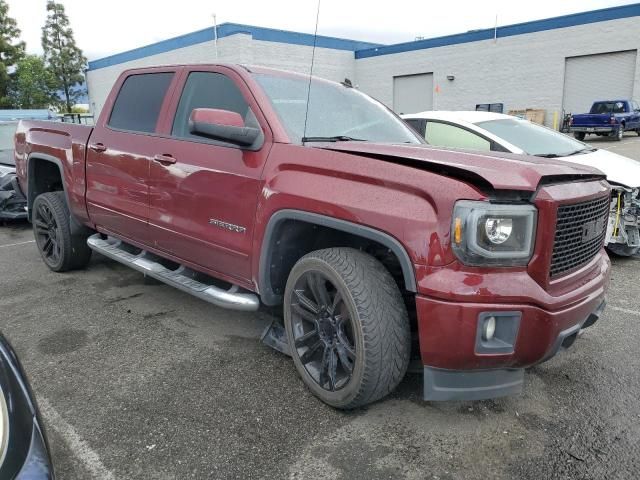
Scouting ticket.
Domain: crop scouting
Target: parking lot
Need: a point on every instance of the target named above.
(138, 380)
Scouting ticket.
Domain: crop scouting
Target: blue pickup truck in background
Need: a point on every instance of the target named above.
(608, 117)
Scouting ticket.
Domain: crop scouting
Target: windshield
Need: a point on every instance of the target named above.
(532, 138)
(334, 111)
(7, 130)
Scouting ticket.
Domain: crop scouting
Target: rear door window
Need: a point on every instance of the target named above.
(139, 102)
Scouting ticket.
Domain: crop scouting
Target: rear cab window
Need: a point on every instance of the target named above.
(608, 107)
(139, 102)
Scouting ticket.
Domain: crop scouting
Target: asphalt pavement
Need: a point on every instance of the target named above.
(141, 381)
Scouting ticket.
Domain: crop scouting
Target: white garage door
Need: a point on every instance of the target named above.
(607, 76)
(413, 93)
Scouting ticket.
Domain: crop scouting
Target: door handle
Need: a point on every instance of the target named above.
(164, 159)
(98, 147)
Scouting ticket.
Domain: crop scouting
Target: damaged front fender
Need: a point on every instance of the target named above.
(623, 228)
(13, 204)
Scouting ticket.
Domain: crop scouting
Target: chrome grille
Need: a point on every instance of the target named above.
(580, 232)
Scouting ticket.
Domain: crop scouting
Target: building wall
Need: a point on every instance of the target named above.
(521, 71)
(238, 48)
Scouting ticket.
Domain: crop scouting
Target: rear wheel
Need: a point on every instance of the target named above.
(579, 135)
(347, 327)
(617, 134)
(60, 250)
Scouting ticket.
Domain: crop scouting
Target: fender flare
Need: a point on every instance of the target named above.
(77, 228)
(264, 281)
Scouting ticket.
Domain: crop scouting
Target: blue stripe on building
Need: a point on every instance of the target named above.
(226, 30)
(572, 20)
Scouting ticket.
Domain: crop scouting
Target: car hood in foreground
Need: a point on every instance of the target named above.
(618, 169)
(497, 171)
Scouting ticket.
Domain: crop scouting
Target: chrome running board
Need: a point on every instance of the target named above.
(182, 278)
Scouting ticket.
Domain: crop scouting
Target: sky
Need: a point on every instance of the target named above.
(103, 28)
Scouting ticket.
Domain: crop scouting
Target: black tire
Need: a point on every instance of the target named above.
(638, 132)
(51, 223)
(579, 135)
(616, 135)
(365, 313)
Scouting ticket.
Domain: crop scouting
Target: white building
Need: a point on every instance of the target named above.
(557, 64)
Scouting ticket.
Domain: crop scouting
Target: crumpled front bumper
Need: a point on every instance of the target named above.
(13, 204)
(623, 226)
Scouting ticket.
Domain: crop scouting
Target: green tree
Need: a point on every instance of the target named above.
(61, 54)
(33, 86)
(11, 50)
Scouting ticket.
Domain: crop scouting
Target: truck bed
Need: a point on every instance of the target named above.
(62, 143)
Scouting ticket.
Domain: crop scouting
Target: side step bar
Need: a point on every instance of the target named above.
(182, 278)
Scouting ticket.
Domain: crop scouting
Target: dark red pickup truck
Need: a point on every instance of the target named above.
(214, 179)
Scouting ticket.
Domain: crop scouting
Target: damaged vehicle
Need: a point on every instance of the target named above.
(246, 185)
(487, 131)
(13, 205)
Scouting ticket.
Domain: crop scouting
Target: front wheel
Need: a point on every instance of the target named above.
(60, 250)
(579, 135)
(347, 327)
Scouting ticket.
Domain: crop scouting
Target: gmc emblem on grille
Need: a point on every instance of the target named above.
(591, 230)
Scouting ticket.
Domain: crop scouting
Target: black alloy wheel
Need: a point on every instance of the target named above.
(48, 234)
(347, 326)
(323, 331)
(59, 248)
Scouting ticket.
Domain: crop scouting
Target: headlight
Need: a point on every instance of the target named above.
(484, 233)
(4, 427)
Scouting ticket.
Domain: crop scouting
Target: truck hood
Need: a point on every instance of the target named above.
(618, 169)
(494, 171)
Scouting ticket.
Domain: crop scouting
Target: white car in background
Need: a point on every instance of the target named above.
(488, 131)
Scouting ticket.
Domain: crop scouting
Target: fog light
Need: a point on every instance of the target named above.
(489, 328)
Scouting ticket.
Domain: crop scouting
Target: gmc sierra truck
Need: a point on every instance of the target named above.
(611, 118)
(245, 185)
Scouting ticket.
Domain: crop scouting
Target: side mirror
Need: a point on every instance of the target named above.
(222, 125)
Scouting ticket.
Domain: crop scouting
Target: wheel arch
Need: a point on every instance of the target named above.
(42, 183)
(278, 240)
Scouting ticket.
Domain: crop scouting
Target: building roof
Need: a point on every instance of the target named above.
(367, 49)
(226, 30)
